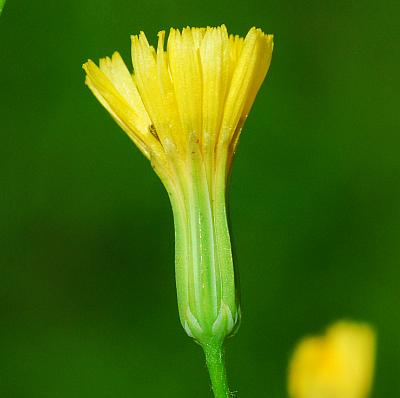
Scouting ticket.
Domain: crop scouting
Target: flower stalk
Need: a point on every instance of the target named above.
(215, 359)
(184, 108)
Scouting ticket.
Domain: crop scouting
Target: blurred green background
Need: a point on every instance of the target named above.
(87, 297)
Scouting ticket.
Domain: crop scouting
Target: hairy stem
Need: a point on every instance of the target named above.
(215, 359)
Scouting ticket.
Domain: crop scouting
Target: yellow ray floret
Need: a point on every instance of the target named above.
(337, 365)
(194, 93)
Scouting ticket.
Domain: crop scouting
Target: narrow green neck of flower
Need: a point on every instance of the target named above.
(204, 267)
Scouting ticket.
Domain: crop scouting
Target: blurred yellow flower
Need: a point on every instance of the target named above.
(339, 364)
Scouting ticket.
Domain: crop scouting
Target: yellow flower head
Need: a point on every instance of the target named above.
(184, 107)
(195, 94)
(339, 364)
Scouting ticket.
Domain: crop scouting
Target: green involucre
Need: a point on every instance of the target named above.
(205, 277)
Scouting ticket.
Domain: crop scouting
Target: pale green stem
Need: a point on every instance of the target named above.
(215, 359)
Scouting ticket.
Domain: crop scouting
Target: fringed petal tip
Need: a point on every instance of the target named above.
(92, 72)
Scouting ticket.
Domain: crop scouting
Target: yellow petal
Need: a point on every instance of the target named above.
(185, 71)
(169, 106)
(117, 106)
(252, 66)
(116, 70)
(191, 99)
(156, 90)
(214, 84)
